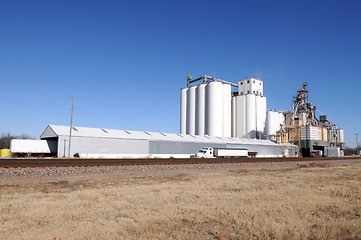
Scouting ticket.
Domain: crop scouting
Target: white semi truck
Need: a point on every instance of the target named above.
(208, 152)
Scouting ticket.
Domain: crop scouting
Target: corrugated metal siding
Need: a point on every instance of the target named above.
(101, 145)
(311, 133)
(262, 150)
(162, 147)
(129, 146)
(336, 135)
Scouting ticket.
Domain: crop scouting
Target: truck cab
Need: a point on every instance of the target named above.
(205, 152)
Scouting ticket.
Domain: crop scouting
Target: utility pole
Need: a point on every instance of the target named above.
(357, 151)
(71, 124)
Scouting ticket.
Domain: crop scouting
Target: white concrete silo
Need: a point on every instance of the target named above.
(233, 114)
(261, 105)
(183, 113)
(264, 112)
(227, 110)
(200, 109)
(214, 109)
(281, 120)
(270, 123)
(251, 115)
(191, 110)
(241, 116)
(276, 122)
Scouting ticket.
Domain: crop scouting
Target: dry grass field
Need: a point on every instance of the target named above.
(303, 202)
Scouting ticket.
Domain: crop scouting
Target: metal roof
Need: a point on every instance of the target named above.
(56, 131)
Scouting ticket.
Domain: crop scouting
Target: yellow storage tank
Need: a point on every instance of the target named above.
(5, 153)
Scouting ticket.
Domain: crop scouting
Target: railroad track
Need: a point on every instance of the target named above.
(67, 162)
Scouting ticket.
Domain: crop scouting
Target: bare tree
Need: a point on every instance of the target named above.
(6, 138)
(350, 151)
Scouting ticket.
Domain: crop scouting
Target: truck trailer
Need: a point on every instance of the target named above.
(209, 152)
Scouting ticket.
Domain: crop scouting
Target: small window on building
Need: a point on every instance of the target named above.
(74, 128)
(257, 92)
(248, 91)
(254, 92)
(254, 81)
(241, 83)
(260, 93)
(260, 84)
(241, 93)
(104, 130)
(248, 81)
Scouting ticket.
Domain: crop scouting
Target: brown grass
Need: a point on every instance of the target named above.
(303, 202)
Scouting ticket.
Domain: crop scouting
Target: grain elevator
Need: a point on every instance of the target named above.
(300, 125)
(209, 107)
(217, 108)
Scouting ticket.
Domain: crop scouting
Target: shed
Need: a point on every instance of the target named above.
(102, 141)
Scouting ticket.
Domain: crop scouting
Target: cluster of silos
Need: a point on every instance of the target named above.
(249, 116)
(206, 109)
(274, 121)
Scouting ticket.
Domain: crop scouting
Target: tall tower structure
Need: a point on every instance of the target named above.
(249, 110)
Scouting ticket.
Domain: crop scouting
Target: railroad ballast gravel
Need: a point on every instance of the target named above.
(64, 171)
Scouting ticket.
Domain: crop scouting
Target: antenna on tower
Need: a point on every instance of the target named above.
(258, 74)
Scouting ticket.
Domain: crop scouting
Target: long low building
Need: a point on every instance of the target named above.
(100, 142)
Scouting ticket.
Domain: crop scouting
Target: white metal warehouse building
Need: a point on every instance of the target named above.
(98, 142)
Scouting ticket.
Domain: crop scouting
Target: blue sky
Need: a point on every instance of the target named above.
(124, 62)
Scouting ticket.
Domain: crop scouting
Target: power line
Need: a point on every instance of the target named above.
(71, 124)
(357, 151)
